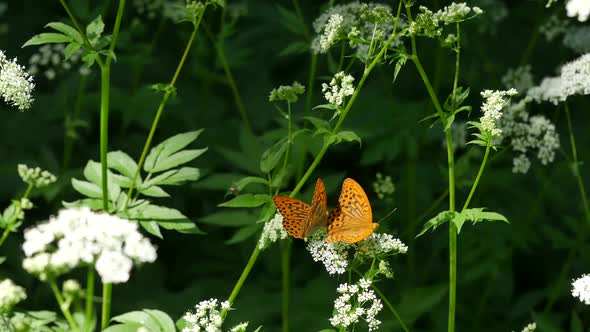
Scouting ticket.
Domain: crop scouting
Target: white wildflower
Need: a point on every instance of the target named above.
(16, 85)
(581, 288)
(240, 327)
(553, 27)
(579, 8)
(521, 164)
(35, 176)
(334, 256)
(431, 24)
(492, 109)
(356, 302)
(550, 90)
(206, 317)
(288, 93)
(77, 237)
(383, 186)
(331, 32)
(340, 87)
(379, 244)
(519, 78)
(10, 295)
(272, 232)
(51, 60)
(385, 269)
(530, 328)
(575, 76)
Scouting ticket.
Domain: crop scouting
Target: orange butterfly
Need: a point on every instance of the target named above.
(352, 219)
(300, 219)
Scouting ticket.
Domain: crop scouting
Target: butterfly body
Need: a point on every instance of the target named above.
(300, 219)
(352, 219)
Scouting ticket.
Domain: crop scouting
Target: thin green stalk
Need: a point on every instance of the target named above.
(286, 274)
(242, 279)
(391, 308)
(80, 29)
(105, 74)
(63, 306)
(10, 223)
(89, 297)
(163, 102)
(452, 236)
(479, 173)
(107, 290)
(576, 164)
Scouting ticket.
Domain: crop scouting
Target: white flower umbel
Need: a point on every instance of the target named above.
(240, 327)
(272, 232)
(581, 288)
(334, 256)
(492, 107)
(332, 30)
(383, 186)
(77, 237)
(16, 85)
(519, 78)
(553, 27)
(549, 90)
(51, 60)
(521, 164)
(340, 87)
(575, 76)
(579, 9)
(35, 176)
(206, 317)
(356, 302)
(10, 295)
(431, 24)
(530, 328)
(379, 245)
(288, 93)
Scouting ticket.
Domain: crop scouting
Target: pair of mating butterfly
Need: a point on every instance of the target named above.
(350, 221)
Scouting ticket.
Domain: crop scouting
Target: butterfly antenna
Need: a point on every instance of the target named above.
(392, 211)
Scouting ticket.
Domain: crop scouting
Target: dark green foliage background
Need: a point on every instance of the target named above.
(507, 272)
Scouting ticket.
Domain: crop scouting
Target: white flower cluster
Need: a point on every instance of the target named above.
(78, 237)
(528, 133)
(385, 269)
(356, 302)
(51, 58)
(530, 328)
(431, 24)
(149, 8)
(340, 87)
(288, 93)
(581, 288)
(574, 79)
(378, 245)
(494, 103)
(207, 316)
(519, 78)
(383, 186)
(240, 327)
(356, 20)
(272, 232)
(579, 8)
(553, 27)
(35, 176)
(334, 256)
(16, 85)
(10, 295)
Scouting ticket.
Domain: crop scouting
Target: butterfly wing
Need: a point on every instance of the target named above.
(295, 215)
(352, 219)
(319, 209)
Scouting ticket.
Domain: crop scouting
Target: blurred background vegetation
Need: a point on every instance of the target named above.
(509, 274)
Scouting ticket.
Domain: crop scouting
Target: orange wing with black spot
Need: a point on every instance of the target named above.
(352, 219)
(299, 219)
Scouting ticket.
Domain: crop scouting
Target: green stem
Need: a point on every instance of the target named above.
(10, 223)
(160, 110)
(391, 308)
(242, 278)
(107, 291)
(63, 306)
(105, 74)
(286, 273)
(452, 236)
(576, 165)
(479, 173)
(89, 297)
(80, 29)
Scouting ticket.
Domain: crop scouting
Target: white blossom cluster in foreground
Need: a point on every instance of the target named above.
(272, 232)
(207, 317)
(10, 295)
(356, 302)
(77, 237)
(581, 288)
(574, 79)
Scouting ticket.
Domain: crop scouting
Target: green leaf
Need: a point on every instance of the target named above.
(66, 30)
(320, 124)
(152, 228)
(47, 38)
(164, 321)
(272, 156)
(176, 176)
(399, 64)
(348, 136)
(153, 191)
(476, 215)
(92, 203)
(2, 259)
(123, 163)
(138, 317)
(295, 48)
(247, 201)
(95, 29)
(131, 327)
(167, 218)
(242, 183)
(93, 172)
(72, 48)
(168, 147)
(87, 189)
(244, 233)
(436, 221)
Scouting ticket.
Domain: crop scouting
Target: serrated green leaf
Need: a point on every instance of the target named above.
(436, 221)
(152, 228)
(87, 188)
(72, 48)
(138, 317)
(347, 136)
(476, 215)
(130, 327)
(66, 30)
(177, 159)
(272, 156)
(153, 191)
(243, 182)
(320, 124)
(326, 106)
(167, 218)
(94, 30)
(169, 146)
(243, 234)
(176, 176)
(247, 201)
(164, 321)
(47, 38)
(122, 162)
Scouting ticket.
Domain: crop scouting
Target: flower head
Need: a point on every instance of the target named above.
(383, 186)
(206, 317)
(35, 176)
(16, 85)
(581, 288)
(334, 256)
(356, 302)
(288, 93)
(575, 76)
(579, 8)
(492, 109)
(431, 24)
(332, 32)
(272, 232)
(379, 245)
(78, 237)
(10, 295)
(340, 87)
